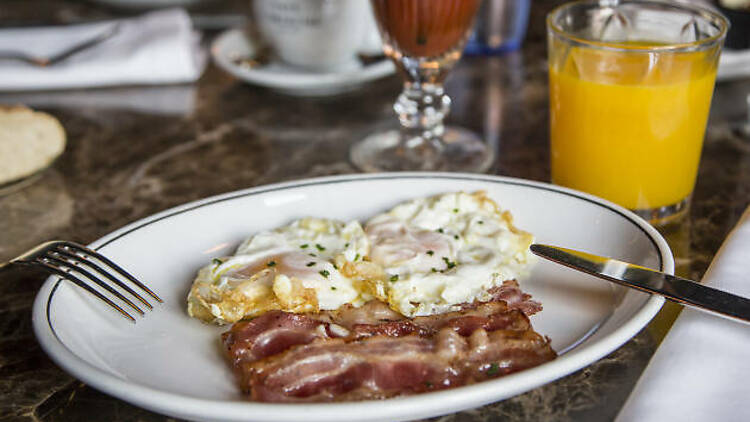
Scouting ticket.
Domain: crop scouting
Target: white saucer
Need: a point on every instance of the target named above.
(233, 44)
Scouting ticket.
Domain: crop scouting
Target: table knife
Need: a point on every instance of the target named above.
(677, 289)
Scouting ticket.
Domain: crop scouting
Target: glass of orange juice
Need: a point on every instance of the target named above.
(630, 89)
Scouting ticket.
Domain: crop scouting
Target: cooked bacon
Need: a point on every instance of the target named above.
(510, 293)
(277, 331)
(373, 312)
(335, 369)
(390, 329)
(374, 352)
(381, 366)
(268, 334)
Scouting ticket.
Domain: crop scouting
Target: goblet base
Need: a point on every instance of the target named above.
(458, 150)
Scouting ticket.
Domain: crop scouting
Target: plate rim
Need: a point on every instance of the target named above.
(400, 408)
(302, 82)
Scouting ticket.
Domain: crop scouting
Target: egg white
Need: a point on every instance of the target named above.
(296, 268)
(445, 250)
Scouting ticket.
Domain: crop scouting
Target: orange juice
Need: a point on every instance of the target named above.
(628, 125)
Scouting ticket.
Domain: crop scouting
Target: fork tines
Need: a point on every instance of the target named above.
(76, 263)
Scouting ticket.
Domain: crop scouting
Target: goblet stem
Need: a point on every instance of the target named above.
(422, 142)
(423, 103)
(422, 107)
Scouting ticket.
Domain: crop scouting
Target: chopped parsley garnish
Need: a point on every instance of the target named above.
(433, 269)
(428, 384)
(455, 210)
(310, 264)
(356, 257)
(217, 261)
(430, 253)
(440, 230)
(480, 222)
(394, 277)
(335, 266)
(455, 236)
(449, 264)
(324, 273)
(346, 245)
(312, 254)
(494, 369)
(304, 246)
(333, 288)
(271, 264)
(320, 248)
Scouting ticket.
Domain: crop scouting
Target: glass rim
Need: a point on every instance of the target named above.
(714, 17)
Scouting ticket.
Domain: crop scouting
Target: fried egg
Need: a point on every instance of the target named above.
(309, 265)
(423, 257)
(445, 250)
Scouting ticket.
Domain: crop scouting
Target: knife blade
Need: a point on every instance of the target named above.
(677, 289)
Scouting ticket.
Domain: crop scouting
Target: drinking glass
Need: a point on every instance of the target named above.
(424, 38)
(630, 90)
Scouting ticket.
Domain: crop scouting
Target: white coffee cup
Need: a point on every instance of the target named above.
(318, 35)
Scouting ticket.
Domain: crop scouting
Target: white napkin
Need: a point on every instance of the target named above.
(161, 100)
(156, 48)
(701, 371)
(733, 64)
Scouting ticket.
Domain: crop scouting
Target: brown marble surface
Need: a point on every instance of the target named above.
(125, 161)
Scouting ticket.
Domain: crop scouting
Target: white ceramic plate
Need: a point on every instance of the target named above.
(172, 364)
(233, 44)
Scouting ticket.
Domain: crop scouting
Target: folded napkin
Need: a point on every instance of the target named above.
(733, 64)
(175, 100)
(156, 48)
(701, 371)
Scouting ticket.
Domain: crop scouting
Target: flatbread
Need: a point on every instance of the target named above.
(29, 141)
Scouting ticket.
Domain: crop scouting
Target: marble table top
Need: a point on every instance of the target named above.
(128, 159)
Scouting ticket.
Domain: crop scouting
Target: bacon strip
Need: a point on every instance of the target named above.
(373, 352)
(277, 331)
(380, 367)
(510, 293)
(268, 334)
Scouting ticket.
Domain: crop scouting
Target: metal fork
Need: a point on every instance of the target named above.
(62, 55)
(78, 263)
